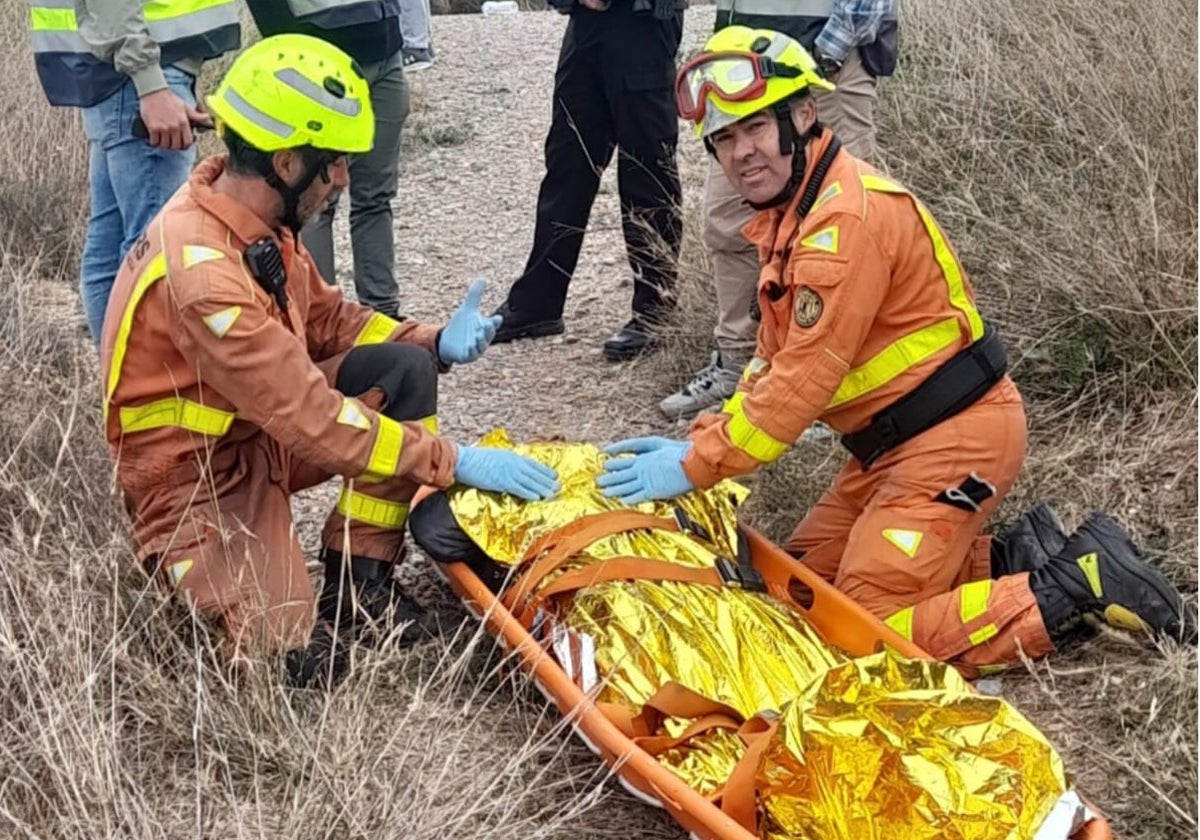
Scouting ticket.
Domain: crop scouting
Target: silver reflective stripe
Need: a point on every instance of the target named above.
(57, 41)
(195, 23)
(264, 121)
(779, 8)
(293, 79)
(52, 4)
(301, 8)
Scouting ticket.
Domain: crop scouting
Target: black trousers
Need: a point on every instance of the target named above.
(614, 89)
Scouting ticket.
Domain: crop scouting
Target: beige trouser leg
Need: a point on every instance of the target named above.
(850, 112)
(735, 267)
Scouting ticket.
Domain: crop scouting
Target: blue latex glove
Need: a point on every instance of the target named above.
(505, 471)
(468, 332)
(655, 472)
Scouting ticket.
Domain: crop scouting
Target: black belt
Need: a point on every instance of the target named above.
(957, 384)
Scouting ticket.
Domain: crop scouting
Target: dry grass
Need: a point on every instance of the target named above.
(1055, 143)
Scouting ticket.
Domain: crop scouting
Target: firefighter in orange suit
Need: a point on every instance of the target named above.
(869, 323)
(234, 376)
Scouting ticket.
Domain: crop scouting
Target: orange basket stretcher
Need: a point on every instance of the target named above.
(837, 619)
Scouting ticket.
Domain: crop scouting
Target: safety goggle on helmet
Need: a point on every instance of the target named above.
(741, 72)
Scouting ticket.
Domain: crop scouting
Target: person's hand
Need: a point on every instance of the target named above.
(505, 471)
(468, 332)
(169, 120)
(595, 5)
(655, 472)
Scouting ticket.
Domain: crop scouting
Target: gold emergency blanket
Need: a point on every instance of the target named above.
(896, 749)
(871, 748)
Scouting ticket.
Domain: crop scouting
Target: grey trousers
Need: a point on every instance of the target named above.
(373, 179)
(850, 112)
(414, 24)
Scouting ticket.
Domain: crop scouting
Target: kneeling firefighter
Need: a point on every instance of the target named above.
(234, 376)
(869, 323)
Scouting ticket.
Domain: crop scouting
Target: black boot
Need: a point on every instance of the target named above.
(1028, 541)
(360, 595)
(1100, 572)
(637, 337)
(522, 323)
(321, 664)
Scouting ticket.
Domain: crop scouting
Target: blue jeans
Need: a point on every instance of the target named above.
(128, 181)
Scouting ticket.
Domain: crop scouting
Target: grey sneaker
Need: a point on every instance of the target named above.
(711, 386)
(414, 60)
(818, 432)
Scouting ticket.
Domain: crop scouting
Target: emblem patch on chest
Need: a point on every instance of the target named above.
(807, 307)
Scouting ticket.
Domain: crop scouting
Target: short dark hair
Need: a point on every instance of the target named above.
(245, 159)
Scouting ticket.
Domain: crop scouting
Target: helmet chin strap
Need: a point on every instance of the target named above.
(791, 142)
(313, 167)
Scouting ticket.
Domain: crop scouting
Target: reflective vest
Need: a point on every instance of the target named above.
(801, 19)
(71, 75)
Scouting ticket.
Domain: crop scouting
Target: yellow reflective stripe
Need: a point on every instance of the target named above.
(973, 600)
(754, 441)
(373, 511)
(430, 423)
(733, 405)
(155, 271)
(385, 454)
(951, 270)
(983, 634)
(52, 20)
(902, 622)
(376, 330)
(896, 358)
(176, 411)
(167, 9)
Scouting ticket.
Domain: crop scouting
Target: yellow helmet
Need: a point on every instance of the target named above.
(740, 72)
(295, 90)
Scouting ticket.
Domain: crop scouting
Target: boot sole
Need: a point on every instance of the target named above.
(614, 355)
(539, 329)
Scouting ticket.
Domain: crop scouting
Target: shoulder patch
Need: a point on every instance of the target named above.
(825, 240)
(196, 254)
(807, 306)
(352, 415)
(219, 323)
(834, 189)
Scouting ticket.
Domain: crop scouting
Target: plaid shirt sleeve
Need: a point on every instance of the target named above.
(852, 23)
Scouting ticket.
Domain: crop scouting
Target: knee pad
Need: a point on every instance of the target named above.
(405, 374)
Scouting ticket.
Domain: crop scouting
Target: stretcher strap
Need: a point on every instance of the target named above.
(672, 700)
(617, 568)
(739, 798)
(551, 550)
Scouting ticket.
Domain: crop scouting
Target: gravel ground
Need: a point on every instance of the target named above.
(470, 173)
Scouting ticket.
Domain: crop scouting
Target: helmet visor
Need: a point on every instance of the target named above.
(734, 77)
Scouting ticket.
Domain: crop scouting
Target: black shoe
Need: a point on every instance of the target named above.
(321, 664)
(519, 323)
(631, 341)
(360, 597)
(1100, 572)
(1027, 542)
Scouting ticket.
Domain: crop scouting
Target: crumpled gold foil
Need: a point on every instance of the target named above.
(736, 647)
(504, 526)
(897, 749)
(706, 760)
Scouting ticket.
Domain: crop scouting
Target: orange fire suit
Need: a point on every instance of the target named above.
(219, 405)
(861, 300)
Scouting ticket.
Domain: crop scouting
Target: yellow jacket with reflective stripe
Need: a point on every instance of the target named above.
(85, 50)
(861, 301)
(198, 360)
